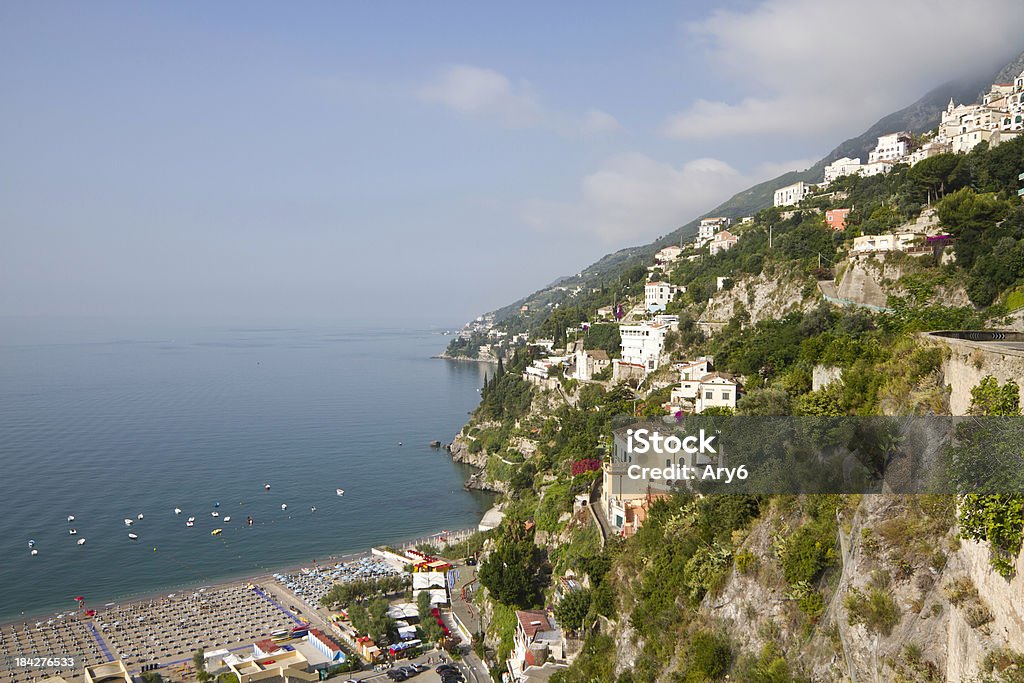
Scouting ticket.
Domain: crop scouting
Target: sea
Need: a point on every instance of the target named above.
(109, 420)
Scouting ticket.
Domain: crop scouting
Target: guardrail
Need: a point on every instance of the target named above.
(981, 335)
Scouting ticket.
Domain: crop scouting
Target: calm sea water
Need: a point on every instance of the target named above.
(105, 421)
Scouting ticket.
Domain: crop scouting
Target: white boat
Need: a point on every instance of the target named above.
(140, 515)
(31, 543)
(133, 536)
(340, 492)
(313, 509)
(227, 519)
(128, 522)
(81, 541)
(266, 487)
(72, 532)
(284, 506)
(191, 519)
(71, 518)
(34, 552)
(190, 523)
(215, 514)
(177, 511)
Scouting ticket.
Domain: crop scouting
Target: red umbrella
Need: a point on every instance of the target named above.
(79, 599)
(90, 612)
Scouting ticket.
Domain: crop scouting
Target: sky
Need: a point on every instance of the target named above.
(417, 162)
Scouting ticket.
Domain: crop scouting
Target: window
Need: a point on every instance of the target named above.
(725, 395)
(708, 395)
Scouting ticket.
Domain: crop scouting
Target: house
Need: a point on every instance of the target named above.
(791, 195)
(694, 369)
(589, 363)
(709, 226)
(722, 241)
(668, 254)
(712, 390)
(898, 241)
(966, 141)
(536, 646)
(841, 167)
(875, 168)
(890, 147)
(836, 218)
(642, 344)
(605, 312)
(658, 294)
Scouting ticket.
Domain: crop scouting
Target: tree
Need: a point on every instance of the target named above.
(765, 402)
(199, 662)
(572, 609)
(988, 398)
(514, 573)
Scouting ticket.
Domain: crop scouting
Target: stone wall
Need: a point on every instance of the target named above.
(968, 362)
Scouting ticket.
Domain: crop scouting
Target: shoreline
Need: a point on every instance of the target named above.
(263, 575)
(464, 359)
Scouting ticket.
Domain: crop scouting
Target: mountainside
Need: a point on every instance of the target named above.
(921, 116)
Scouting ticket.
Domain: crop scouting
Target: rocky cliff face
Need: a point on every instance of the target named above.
(766, 296)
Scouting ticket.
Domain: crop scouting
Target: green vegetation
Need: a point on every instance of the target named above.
(515, 573)
(874, 607)
(372, 619)
(572, 609)
(344, 594)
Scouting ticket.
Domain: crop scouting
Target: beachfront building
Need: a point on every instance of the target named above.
(722, 241)
(658, 294)
(286, 666)
(836, 218)
(791, 195)
(325, 645)
(108, 672)
(841, 167)
(642, 345)
(538, 650)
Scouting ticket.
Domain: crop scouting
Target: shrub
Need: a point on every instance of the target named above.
(876, 609)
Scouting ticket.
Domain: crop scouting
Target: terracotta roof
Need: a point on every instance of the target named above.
(319, 635)
(533, 621)
(267, 645)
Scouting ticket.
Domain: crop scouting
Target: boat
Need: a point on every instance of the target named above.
(177, 511)
(190, 523)
(284, 506)
(34, 552)
(216, 532)
(31, 543)
(340, 492)
(140, 515)
(266, 487)
(313, 509)
(191, 519)
(216, 504)
(128, 522)
(227, 519)
(81, 541)
(215, 514)
(248, 520)
(134, 537)
(71, 518)
(72, 532)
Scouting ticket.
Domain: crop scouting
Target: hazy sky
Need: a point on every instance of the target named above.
(418, 160)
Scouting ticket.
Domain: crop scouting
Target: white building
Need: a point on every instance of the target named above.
(874, 244)
(891, 147)
(668, 254)
(538, 649)
(790, 195)
(875, 168)
(722, 241)
(968, 140)
(589, 363)
(709, 226)
(841, 167)
(694, 369)
(658, 294)
(715, 389)
(642, 344)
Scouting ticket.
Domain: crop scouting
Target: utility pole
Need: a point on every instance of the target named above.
(770, 236)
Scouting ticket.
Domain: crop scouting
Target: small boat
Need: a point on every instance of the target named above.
(72, 532)
(191, 519)
(216, 504)
(31, 543)
(266, 487)
(399, 443)
(71, 518)
(81, 541)
(216, 532)
(128, 522)
(177, 511)
(134, 537)
(140, 515)
(34, 552)
(340, 492)
(215, 514)
(284, 506)
(190, 523)
(227, 519)
(313, 509)
(248, 520)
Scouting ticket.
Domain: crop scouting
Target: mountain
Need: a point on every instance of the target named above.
(921, 116)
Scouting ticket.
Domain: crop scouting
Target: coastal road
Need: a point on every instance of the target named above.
(463, 584)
